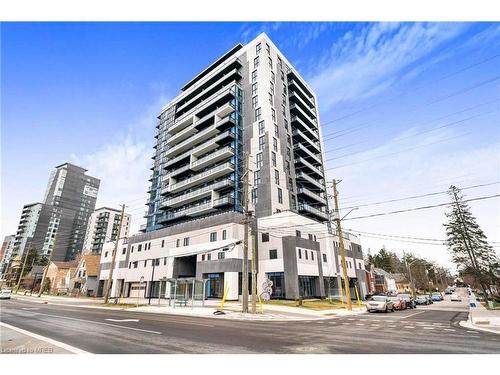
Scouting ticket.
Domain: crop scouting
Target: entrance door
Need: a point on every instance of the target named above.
(307, 286)
(215, 285)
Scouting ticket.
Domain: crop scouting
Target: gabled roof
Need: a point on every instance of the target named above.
(399, 277)
(380, 271)
(91, 264)
(69, 264)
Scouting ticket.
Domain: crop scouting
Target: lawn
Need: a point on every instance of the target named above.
(313, 304)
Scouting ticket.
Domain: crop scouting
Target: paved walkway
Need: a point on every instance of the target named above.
(18, 341)
(482, 318)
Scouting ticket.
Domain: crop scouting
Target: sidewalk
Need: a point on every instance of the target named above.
(18, 341)
(483, 319)
(232, 309)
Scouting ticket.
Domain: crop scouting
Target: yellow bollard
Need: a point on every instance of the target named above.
(357, 296)
(226, 291)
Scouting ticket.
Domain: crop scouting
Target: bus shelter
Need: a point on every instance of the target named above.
(184, 291)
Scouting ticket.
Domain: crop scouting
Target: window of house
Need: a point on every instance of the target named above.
(136, 264)
(297, 233)
(283, 110)
(203, 257)
(265, 237)
(282, 76)
(162, 243)
(287, 163)
(124, 250)
(213, 236)
(132, 249)
(224, 234)
(129, 264)
(270, 98)
(178, 243)
(315, 238)
(256, 178)
(165, 261)
(307, 256)
(221, 255)
(268, 49)
(254, 196)
(139, 247)
(273, 254)
(275, 145)
(280, 195)
(300, 254)
(279, 61)
(254, 76)
(262, 142)
(145, 263)
(276, 177)
(273, 114)
(271, 86)
(186, 241)
(310, 237)
(288, 140)
(106, 254)
(276, 131)
(312, 255)
(209, 256)
(255, 101)
(273, 77)
(254, 88)
(262, 127)
(258, 114)
(256, 62)
(359, 265)
(288, 153)
(258, 160)
(257, 48)
(324, 258)
(284, 88)
(283, 99)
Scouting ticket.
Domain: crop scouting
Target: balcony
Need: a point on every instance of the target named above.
(308, 193)
(292, 76)
(181, 123)
(295, 86)
(212, 158)
(297, 110)
(308, 179)
(205, 176)
(205, 134)
(294, 98)
(298, 123)
(312, 169)
(192, 211)
(196, 194)
(303, 207)
(300, 149)
(312, 142)
(225, 201)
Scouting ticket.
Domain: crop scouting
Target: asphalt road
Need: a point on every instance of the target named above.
(430, 329)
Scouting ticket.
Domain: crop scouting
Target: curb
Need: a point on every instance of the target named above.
(469, 325)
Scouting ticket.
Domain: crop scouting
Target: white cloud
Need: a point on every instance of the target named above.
(123, 165)
(365, 61)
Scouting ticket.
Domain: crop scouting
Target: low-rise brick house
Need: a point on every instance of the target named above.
(85, 276)
(384, 281)
(402, 283)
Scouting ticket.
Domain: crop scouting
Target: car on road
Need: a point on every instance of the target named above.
(449, 291)
(410, 303)
(436, 296)
(379, 303)
(5, 293)
(455, 297)
(423, 300)
(398, 303)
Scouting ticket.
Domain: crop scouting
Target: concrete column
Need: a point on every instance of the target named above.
(231, 281)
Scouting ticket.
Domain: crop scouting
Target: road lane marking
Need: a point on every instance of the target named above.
(30, 308)
(105, 324)
(472, 332)
(123, 320)
(431, 328)
(410, 327)
(417, 313)
(360, 324)
(59, 344)
(449, 329)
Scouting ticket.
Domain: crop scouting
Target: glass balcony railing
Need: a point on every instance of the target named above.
(212, 172)
(312, 210)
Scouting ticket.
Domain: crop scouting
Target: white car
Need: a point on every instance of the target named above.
(455, 297)
(5, 293)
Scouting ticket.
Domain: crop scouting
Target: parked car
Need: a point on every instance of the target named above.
(379, 303)
(436, 296)
(408, 300)
(398, 303)
(5, 293)
(455, 297)
(449, 291)
(422, 300)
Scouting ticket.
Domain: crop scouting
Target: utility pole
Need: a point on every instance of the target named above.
(255, 244)
(113, 258)
(244, 266)
(341, 246)
(468, 247)
(47, 266)
(24, 265)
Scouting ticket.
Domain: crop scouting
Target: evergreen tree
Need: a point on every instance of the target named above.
(468, 244)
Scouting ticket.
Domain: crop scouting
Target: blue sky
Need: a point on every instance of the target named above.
(407, 109)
